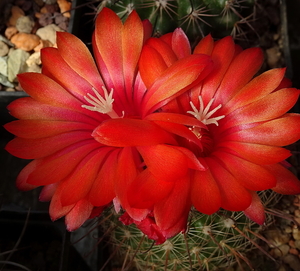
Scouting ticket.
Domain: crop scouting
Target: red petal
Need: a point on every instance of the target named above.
(131, 132)
(103, 189)
(256, 153)
(78, 184)
(28, 108)
(278, 132)
(165, 162)
(249, 175)
(183, 74)
(41, 147)
(151, 65)
(79, 58)
(44, 128)
(271, 106)
(78, 215)
(45, 90)
(256, 211)
(287, 182)
(146, 190)
(205, 46)
(221, 56)
(241, 70)
(180, 43)
(53, 169)
(234, 197)
(127, 170)
(205, 193)
(178, 200)
(131, 49)
(256, 89)
(108, 44)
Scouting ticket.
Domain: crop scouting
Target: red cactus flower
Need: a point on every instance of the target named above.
(152, 128)
(246, 124)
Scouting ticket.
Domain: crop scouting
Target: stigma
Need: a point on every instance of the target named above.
(204, 114)
(100, 104)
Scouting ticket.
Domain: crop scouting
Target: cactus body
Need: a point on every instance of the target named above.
(196, 17)
(212, 242)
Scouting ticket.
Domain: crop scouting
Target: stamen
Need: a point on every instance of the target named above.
(100, 104)
(203, 114)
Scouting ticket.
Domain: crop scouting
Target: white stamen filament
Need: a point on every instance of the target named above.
(203, 114)
(100, 104)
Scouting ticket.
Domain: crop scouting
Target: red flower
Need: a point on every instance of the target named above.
(152, 128)
(85, 126)
(245, 124)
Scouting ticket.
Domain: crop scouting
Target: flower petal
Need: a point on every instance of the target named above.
(165, 162)
(146, 190)
(287, 182)
(205, 193)
(249, 175)
(234, 197)
(183, 74)
(78, 215)
(103, 188)
(278, 132)
(78, 57)
(256, 211)
(130, 132)
(180, 43)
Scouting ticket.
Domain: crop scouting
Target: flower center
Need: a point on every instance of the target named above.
(203, 114)
(100, 104)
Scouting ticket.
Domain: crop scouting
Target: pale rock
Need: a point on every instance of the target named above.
(16, 63)
(297, 244)
(3, 66)
(48, 32)
(277, 237)
(25, 41)
(296, 233)
(34, 68)
(34, 59)
(3, 48)
(43, 44)
(16, 13)
(281, 251)
(5, 82)
(25, 24)
(10, 31)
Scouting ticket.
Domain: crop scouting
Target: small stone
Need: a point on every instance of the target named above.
(25, 24)
(293, 261)
(43, 44)
(273, 56)
(64, 7)
(297, 213)
(3, 66)
(49, 32)
(50, 2)
(281, 251)
(3, 48)
(296, 233)
(294, 251)
(292, 243)
(10, 31)
(297, 244)
(276, 237)
(25, 41)
(34, 68)
(288, 229)
(5, 82)
(16, 63)
(34, 59)
(46, 19)
(16, 13)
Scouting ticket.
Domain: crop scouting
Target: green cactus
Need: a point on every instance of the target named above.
(212, 242)
(196, 17)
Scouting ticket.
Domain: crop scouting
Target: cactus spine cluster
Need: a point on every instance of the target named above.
(196, 17)
(212, 242)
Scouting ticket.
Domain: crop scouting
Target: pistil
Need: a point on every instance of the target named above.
(100, 104)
